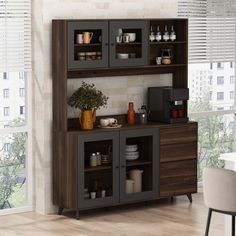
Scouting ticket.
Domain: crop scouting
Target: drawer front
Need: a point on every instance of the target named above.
(178, 169)
(178, 152)
(178, 185)
(178, 134)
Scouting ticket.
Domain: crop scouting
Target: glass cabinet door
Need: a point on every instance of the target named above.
(87, 44)
(139, 164)
(128, 43)
(98, 177)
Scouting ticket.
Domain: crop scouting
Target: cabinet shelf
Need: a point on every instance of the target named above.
(97, 168)
(168, 42)
(128, 44)
(138, 163)
(88, 45)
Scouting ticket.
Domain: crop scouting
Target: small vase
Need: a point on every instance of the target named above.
(87, 119)
(131, 114)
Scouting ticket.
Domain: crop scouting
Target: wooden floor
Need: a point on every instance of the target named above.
(161, 218)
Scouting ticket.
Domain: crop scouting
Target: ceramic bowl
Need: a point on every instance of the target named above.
(122, 55)
(132, 36)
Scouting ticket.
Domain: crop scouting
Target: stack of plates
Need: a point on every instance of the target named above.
(131, 152)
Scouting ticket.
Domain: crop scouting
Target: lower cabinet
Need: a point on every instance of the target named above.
(132, 164)
(118, 179)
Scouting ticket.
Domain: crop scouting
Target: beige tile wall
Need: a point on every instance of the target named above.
(119, 89)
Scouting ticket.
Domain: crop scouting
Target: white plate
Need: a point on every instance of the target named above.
(131, 154)
(132, 158)
(115, 126)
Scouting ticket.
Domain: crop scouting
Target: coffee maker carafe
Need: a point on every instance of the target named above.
(168, 104)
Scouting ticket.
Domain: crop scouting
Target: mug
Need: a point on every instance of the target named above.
(158, 60)
(119, 39)
(107, 121)
(126, 38)
(79, 38)
(87, 36)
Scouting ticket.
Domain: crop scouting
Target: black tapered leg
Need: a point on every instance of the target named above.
(172, 199)
(233, 225)
(208, 221)
(77, 215)
(189, 195)
(60, 210)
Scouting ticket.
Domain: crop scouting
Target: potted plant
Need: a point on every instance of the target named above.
(88, 99)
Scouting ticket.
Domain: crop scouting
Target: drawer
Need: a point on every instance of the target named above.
(178, 168)
(178, 185)
(178, 152)
(178, 134)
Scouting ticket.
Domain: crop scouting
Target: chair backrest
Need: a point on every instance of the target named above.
(219, 189)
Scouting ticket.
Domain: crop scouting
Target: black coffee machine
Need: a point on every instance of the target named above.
(167, 104)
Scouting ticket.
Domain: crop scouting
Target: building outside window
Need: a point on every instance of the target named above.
(21, 92)
(5, 75)
(6, 93)
(6, 111)
(220, 65)
(220, 96)
(6, 147)
(231, 79)
(220, 80)
(22, 110)
(231, 94)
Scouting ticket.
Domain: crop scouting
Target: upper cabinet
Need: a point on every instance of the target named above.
(87, 44)
(93, 48)
(128, 43)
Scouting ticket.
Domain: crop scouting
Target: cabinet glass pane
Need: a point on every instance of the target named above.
(139, 164)
(88, 45)
(98, 172)
(128, 43)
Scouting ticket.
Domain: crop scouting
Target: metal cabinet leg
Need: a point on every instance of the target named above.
(208, 221)
(189, 195)
(77, 215)
(233, 225)
(60, 210)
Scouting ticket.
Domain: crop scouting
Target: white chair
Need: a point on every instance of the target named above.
(219, 189)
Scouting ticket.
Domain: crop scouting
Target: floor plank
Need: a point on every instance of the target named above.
(161, 218)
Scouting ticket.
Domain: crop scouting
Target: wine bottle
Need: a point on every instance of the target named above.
(166, 35)
(158, 34)
(172, 34)
(152, 35)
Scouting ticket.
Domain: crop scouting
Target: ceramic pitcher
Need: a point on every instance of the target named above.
(87, 36)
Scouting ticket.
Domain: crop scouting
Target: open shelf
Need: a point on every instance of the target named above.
(138, 163)
(97, 168)
(167, 42)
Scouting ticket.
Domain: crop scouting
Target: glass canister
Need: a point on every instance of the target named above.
(99, 158)
(93, 159)
(166, 56)
(143, 114)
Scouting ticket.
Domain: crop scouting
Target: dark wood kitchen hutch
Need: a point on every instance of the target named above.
(168, 152)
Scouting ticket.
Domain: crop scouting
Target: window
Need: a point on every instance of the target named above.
(231, 94)
(210, 95)
(21, 92)
(5, 75)
(220, 65)
(213, 52)
(220, 80)
(210, 80)
(6, 93)
(231, 79)
(220, 96)
(22, 110)
(6, 147)
(6, 111)
(15, 135)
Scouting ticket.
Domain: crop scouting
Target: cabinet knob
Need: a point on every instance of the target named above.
(112, 44)
(117, 167)
(106, 44)
(123, 166)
